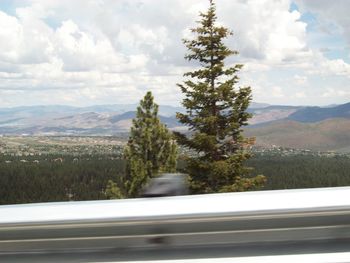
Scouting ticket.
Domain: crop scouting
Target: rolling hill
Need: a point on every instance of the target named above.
(316, 114)
(271, 113)
(315, 128)
(327, 135)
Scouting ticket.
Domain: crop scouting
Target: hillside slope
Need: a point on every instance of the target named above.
(327, 135)
(271, 113)
(316, 114)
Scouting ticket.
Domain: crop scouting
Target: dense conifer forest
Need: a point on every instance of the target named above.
(302, 171)
(49, 178)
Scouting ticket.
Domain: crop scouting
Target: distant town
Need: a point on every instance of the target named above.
(23, 146)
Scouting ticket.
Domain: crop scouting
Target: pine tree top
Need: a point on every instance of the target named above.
(208, 47)
(215, 107)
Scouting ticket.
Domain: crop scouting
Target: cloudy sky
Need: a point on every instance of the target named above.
(86, 52)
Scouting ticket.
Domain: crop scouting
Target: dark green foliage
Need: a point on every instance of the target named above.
(150, 149)
(113, 191)
(86, 179)
(216, 110)
(302, 171)
(42, 179)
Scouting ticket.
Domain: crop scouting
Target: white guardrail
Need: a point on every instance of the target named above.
(213, 219)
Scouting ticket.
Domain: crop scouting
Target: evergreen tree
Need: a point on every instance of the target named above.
(113, 191)
(150, 149)
(216, 110)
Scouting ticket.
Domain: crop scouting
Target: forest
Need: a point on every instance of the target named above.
(48, 178)
(301, 171)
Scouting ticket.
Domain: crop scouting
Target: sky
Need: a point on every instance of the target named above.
(85, 52)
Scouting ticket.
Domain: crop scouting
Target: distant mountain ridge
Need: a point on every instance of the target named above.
(325, 128)
(271, 113)
(316, 114)
(165, 110)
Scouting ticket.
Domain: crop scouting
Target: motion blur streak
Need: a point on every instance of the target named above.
(287, 220)
(309, 258)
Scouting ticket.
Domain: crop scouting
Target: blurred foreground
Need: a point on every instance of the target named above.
(203, 226)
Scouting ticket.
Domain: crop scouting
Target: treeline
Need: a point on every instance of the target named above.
(49, 178)
(301, 171)
(56, 178)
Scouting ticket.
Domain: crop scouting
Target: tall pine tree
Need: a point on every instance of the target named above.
(216, 110)
(150, 149)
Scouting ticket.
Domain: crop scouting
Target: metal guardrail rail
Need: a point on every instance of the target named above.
(213, 219)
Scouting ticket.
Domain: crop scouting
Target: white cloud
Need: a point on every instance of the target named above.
(300, 94)
(266, 30)
(322, 66)
(93, 52)
(277, 92)
(336, 93)
(335, 66)
(300, 80)
(80, 51)
(330, 14)
(10, 35)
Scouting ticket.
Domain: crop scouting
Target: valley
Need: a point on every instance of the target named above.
(311, 128)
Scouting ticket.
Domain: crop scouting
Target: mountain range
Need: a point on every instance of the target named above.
(315, 128)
